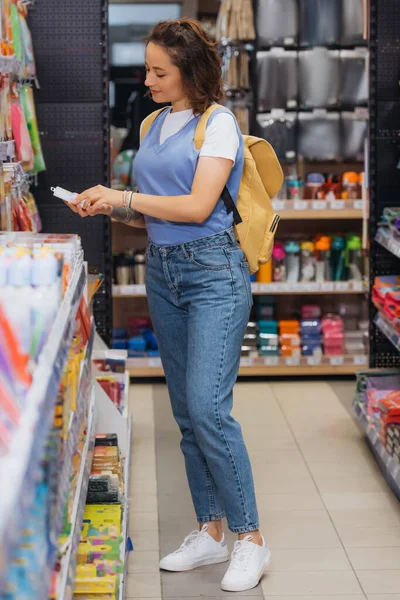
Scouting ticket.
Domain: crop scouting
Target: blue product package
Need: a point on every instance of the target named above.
(153, 353)
(150, 339)
(137, 343)
(118, 344)
(268, 326)
(120, 333)
(253, 277)
(269, 351)
(310, 350)
(311, 326)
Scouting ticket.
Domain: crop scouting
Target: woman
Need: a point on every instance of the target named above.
(198, 289)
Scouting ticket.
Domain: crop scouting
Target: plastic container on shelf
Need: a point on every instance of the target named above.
(278, 262)
(337, 260)
(292, 250)
(307, 262)
(264, 273)
(355, 258)
(322, 253)
(332, 187)
(351, 189)
(315, 187)
(295, 189)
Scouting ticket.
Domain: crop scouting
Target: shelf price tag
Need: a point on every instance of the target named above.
(319, 204)
(292, 361)
(140, 289)
(155, 363)
(327, 286)
(358, 204)
(313, 361)
(337, 204)
(271, 361)
(300, 205)
(246, 362)
(360, 360)
(336, 361)
(342, 286)
(278, 205)
(125, 290)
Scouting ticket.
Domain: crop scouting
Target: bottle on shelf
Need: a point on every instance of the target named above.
(315, 187)
(337, 259)
(278, 261)
(307, 261)
(264, 273)
(292, 250)
(322, 250)
(351, 189)
(355, 258)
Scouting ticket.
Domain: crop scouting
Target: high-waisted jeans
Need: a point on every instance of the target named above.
(200, 299)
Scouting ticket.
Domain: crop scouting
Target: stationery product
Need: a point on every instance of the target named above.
(277, 22)
(292, 250)
(307, 260)
(319, 78)
(322, 254)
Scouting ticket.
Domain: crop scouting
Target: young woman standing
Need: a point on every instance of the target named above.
(198, 289)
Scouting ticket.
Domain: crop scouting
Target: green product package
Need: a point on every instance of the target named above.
(28, 106)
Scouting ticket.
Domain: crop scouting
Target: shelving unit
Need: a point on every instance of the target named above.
(329, 287)
(385, 238)
(290, 210)
(21, 463)
(389, 467)
(387, 329)
(268, 366)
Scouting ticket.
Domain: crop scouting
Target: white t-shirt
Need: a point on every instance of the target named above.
(221, 141)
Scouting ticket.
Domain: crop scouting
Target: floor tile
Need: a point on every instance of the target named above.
(143, 562)
(364, 467)
(369, 537)
(382, 597)
(372, 517)
(289, 502)
(350, 484)
(309, 559)
(282, 456)
(322, 597)
(145, 486)
(143, 502)
(144, 540)
(365, 559)
(141, 472)
(205, 581)
(299, 529)
(310, 583)
(380, 582)
(143, 521)
(350, 501)
(140, 585)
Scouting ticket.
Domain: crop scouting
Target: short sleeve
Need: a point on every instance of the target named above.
(222, 138)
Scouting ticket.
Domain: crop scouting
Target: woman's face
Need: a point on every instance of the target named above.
(163, 78)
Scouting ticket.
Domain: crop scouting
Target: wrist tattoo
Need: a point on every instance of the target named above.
(125, 214)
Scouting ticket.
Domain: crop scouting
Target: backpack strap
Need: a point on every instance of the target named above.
(148, 122)
(199, 137)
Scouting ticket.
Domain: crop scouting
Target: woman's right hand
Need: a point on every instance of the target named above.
(104, 209)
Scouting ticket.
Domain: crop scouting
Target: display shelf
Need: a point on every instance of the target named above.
(389, 467)
(385, 238)
(318, 209)
(20, 465)
(387, 329)
(82, 401)
(267, 365)
(70, 549)
(126, 543)
(329, 287)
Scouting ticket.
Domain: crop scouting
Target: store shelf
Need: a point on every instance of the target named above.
(126, 543)
(68, 562)
(329, 287)
(385, 238)
(319, 209)
(389, 467)
(266, 366)
(387, 329)
(82, 401)
(20, 465)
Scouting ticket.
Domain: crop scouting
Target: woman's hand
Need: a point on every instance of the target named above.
(104, 209)
(96, 200)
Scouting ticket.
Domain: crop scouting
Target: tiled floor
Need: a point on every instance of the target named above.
(331, 522)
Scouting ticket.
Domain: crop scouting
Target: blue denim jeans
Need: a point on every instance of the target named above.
(200, 299)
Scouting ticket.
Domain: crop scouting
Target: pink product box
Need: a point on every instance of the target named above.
(310, 311)
(332, 323)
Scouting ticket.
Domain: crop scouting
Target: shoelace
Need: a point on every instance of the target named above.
(241, 554)
(193, 537)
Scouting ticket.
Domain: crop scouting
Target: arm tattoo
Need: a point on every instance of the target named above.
(125, 215)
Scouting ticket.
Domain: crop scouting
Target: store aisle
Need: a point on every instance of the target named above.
(331, 522)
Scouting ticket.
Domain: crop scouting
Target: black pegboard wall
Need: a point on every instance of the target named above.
(71, 50)
(384, 173)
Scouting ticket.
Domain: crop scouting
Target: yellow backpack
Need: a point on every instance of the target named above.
(254, 218)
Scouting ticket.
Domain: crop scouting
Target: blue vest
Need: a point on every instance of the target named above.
(168, 169)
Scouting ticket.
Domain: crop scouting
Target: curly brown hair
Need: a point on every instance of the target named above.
(194, 52)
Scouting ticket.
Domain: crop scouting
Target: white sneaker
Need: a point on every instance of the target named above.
(198, 549)
(248, 563)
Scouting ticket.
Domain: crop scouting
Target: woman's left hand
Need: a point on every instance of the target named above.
(92, 199)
